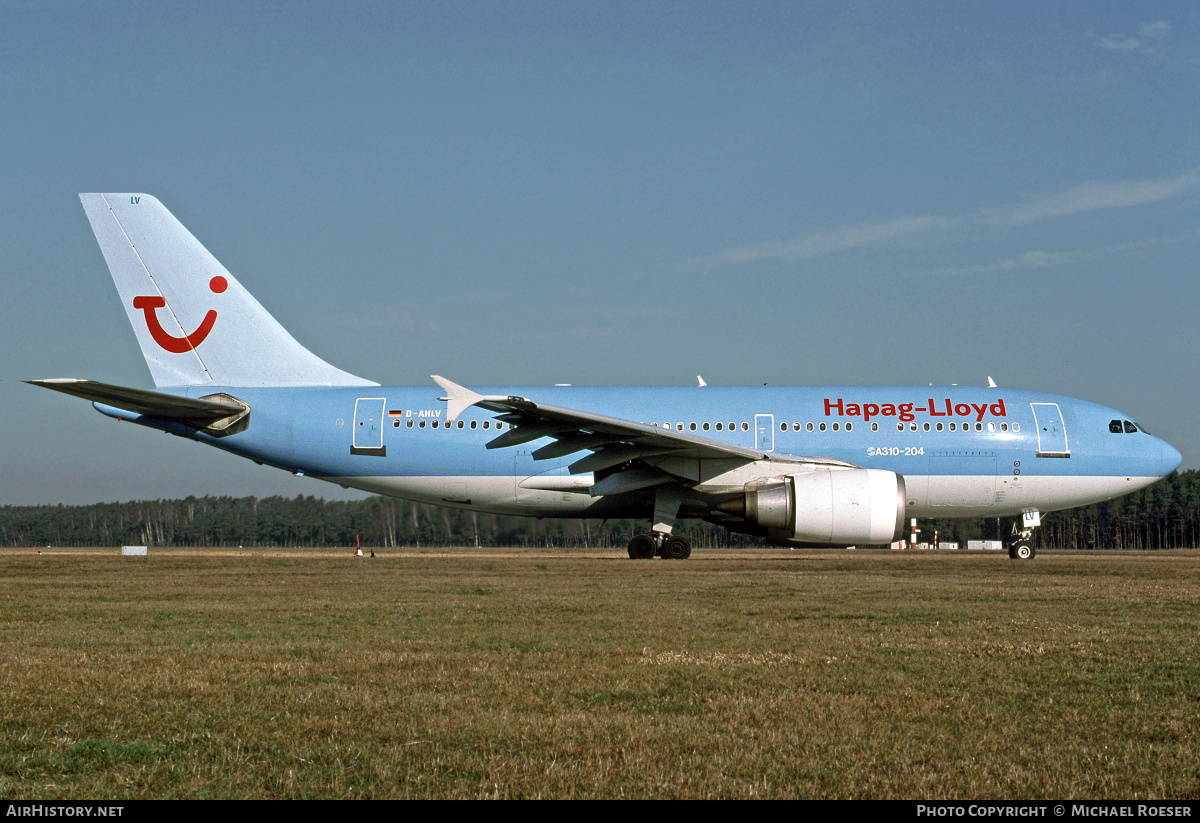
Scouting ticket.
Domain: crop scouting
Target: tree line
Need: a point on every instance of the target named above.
(1163, 516)
(309, 522)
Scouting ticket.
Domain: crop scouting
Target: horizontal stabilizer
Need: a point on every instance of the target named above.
(140, 401)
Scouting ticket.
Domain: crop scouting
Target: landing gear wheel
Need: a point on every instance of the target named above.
(676, 548)
(1021, 551)
(641, 547)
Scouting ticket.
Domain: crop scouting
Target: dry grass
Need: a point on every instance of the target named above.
(567, 674)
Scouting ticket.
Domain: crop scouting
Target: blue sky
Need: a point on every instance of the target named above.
(608, 193)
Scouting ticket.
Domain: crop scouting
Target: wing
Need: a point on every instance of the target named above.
(642, 455)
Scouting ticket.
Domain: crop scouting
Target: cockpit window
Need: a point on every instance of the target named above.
(1123, 427)
(1114, 426)
(1129, 427)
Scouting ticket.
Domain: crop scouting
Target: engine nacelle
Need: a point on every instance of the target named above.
(836, 507)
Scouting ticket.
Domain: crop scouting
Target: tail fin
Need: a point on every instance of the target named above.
(194, 321)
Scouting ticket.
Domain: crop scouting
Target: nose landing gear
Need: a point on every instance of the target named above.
(1020, 542)
(1021, 550)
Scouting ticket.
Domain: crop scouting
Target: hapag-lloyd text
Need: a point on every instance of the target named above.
(907, 411)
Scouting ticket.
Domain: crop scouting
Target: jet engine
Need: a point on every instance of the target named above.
(836, 507)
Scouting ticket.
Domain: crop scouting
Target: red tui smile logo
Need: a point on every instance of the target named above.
(178, 345)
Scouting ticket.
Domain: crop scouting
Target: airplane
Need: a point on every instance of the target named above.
(810, 466)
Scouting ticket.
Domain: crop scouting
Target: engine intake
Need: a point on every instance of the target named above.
(836, 507)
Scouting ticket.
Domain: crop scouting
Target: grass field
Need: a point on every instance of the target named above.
(462, 673)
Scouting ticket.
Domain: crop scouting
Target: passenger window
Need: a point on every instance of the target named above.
(745, 427)
(486, 423)
(978, 427)
(874, 427)
(474, 423)
(783, 427)
(718, 427)
(1003, 427)
(925, 426)
(808, 426)
(849, 426)
(421, 425)
(912, 427)
(795, 427)
(1016, 427)
(953, 427)
(835, 426)
(706, 427)
(939, 426)
(899, 427)
(692, 426)
(822, 427)
(409, 424)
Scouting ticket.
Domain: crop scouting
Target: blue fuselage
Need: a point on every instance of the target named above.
(963, 451)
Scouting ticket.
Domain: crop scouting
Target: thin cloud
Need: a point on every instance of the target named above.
(1079, 199)
(1094, 196)
(1050, 259)
(835, 240)
(1150, 36)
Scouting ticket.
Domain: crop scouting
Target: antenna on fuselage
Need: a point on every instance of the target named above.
(991, 382)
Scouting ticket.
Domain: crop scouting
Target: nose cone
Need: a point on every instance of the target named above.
(1169, 458)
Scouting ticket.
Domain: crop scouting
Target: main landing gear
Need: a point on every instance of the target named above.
(1020, 543)
(660, 541)
(669, 546)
